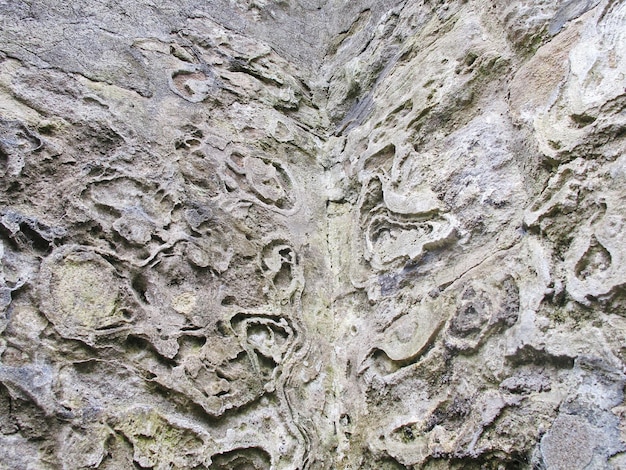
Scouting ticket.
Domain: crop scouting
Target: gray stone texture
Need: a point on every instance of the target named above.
(312, 234)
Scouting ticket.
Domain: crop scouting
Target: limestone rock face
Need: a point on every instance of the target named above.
(289, 234)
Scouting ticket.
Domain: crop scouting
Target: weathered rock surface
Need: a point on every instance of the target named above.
(312, 234)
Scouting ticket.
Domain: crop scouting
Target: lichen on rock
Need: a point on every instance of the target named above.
(289, 234)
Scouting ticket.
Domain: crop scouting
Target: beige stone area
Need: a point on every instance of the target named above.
(313, 234)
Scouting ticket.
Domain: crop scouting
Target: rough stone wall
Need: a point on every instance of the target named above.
(321, 234)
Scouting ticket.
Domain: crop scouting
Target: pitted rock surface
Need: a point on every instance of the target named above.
(313, 234)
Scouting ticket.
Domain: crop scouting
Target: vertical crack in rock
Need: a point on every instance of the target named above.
(312, 234)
